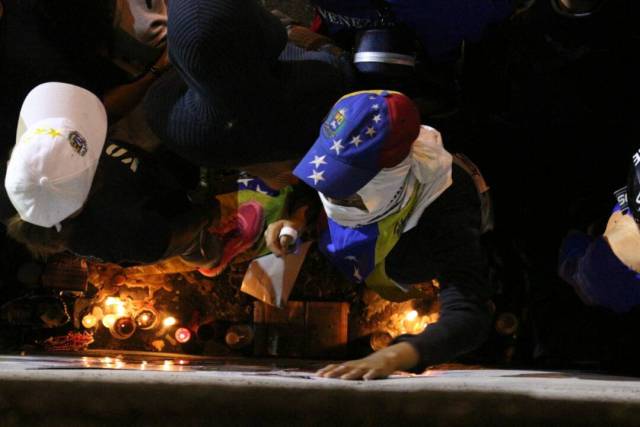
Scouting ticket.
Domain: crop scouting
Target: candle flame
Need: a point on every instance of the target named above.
(89, 321)
(109, 320)
(112, 301)
(183, 335)
(412, 315)
(169, 321)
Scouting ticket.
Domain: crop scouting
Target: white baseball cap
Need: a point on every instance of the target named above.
(61, 133)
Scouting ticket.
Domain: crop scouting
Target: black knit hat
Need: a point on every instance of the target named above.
(231, 102)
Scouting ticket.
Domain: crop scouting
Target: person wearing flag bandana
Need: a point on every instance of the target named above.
(401, 213)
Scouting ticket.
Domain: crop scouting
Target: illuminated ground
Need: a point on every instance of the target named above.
(157, 389)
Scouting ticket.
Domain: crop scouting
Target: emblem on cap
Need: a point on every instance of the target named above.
(333, 123)
(78, 142)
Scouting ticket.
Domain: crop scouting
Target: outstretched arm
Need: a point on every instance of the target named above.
(463, 326)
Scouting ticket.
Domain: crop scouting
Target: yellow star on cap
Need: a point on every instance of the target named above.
(53, 133)
(50, 131)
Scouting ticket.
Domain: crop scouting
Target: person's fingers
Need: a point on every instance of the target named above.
(320, 372)
(337, 371)
(271, 238)
(373, 374)
(354, 374)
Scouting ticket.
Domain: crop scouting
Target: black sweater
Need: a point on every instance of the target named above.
(445, 245)
(135, 207)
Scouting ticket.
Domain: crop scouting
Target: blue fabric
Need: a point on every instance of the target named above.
(254, 183)
(597, 275)
(350, 250)
(440, 25)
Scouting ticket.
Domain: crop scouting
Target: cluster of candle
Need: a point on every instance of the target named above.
(123, 320)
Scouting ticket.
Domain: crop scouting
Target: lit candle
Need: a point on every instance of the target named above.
(89, 321)
(123, 328)
(120, 310)
(97, 312)
(109, 320)
(112, 301)
(146, 319)
(182, 335)
(169, 321)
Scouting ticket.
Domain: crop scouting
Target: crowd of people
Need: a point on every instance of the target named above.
(348, 131)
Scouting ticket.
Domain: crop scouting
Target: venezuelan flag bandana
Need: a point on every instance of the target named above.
(359, 253)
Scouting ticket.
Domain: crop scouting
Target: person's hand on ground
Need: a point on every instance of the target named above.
(380, 364)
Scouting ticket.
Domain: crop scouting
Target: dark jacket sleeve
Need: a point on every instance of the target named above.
(463, 326)
(446, 246)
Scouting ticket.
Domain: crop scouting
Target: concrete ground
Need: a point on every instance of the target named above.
(143, 389)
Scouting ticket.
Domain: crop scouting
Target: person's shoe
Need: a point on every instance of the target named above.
(242, 230)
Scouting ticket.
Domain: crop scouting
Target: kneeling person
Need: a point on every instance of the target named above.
(400, 213)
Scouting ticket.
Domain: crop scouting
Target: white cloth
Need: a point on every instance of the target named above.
(427, 170)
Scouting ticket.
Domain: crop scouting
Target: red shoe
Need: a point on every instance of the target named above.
(241, 231)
